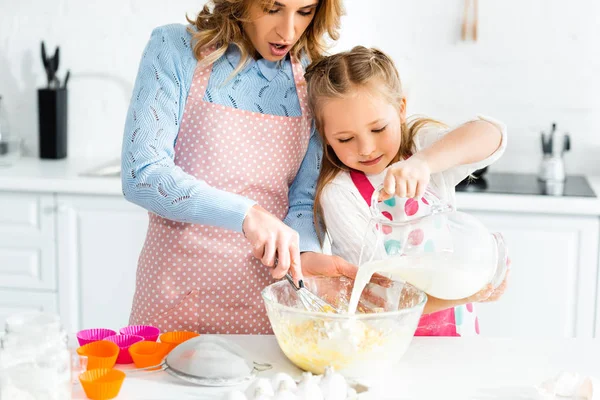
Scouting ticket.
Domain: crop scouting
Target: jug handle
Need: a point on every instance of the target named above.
(437, 206)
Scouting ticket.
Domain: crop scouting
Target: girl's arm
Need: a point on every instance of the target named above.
(449, 156)
(468, 144)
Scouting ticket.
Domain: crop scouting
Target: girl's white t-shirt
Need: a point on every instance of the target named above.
(346, 213)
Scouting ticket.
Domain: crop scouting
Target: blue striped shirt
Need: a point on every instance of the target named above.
(158, 101)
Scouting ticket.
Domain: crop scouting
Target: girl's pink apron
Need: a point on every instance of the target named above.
(202, 278)
(447, 322)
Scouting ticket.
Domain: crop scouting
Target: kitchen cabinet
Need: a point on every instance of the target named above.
(27, 252)
(75, 254)
(99, 239)
(18, 301)
(554, 273)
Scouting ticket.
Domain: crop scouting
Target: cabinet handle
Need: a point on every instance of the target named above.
(49, 210)
(59, 209)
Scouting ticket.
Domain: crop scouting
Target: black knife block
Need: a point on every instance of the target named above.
(52, 113)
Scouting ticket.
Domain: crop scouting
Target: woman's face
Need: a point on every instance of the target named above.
(274, 31)
(363, 129)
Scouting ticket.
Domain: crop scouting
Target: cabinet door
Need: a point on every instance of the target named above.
(27, 247)
(99, 241)
(552, 287)
(15, 302)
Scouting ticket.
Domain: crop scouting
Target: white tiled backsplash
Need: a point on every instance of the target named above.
(536, 61)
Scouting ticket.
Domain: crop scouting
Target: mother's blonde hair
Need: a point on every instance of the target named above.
(220, 24)
(339, 75)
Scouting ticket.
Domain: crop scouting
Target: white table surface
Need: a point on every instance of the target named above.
(433, 368)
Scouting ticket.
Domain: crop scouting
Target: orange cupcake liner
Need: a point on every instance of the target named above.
(173, 339)
(147, 354)
(100, 354)
(102, 383)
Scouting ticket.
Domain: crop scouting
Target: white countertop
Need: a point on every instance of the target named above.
(433, 368)
(66, 176)
(568, 205)
(57, 176)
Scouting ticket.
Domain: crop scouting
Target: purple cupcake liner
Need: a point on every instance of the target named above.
(124, 342)
(86, 336)
(148, 332)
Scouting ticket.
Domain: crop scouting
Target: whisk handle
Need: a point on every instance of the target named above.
(291, 281)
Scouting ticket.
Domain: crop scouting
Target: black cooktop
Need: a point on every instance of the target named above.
(526, 184)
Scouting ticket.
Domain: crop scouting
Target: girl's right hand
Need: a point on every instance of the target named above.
(270, 239)
(407, 178)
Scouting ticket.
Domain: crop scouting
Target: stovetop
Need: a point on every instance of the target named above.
(527, 184)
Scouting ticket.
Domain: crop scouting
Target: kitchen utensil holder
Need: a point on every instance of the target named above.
(52, 113)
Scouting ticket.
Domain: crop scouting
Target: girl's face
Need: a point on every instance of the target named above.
(363, 129)
(274, 31)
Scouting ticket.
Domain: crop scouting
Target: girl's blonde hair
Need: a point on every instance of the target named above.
(337, 76)
(220, 24)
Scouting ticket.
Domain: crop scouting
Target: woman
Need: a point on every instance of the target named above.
(220, 147)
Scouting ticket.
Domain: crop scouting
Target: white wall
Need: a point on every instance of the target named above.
(536, 61)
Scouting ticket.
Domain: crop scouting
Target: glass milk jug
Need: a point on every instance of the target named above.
(35, 362)
(446, 253)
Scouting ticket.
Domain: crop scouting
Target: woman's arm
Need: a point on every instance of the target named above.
(149, 175)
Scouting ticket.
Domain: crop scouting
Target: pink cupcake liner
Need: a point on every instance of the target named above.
(148, 332)
(124, 342)
(93, 335)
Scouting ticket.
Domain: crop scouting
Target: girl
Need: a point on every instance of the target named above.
(360, 113)
(215, 141)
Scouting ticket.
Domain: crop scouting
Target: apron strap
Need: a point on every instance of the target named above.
(363, 184)
(301, 86)
(201, 76)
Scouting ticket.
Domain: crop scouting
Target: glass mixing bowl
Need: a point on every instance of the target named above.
(356, 345)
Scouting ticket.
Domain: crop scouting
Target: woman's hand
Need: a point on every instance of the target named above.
(270, 239)
(408, 178)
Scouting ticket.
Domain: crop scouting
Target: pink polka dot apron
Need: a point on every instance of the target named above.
(202, 278)
(455, 321)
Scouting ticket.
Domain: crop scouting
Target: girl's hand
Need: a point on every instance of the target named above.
(488, 294)
(319, 264)
(408, 178)
(271, 238)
